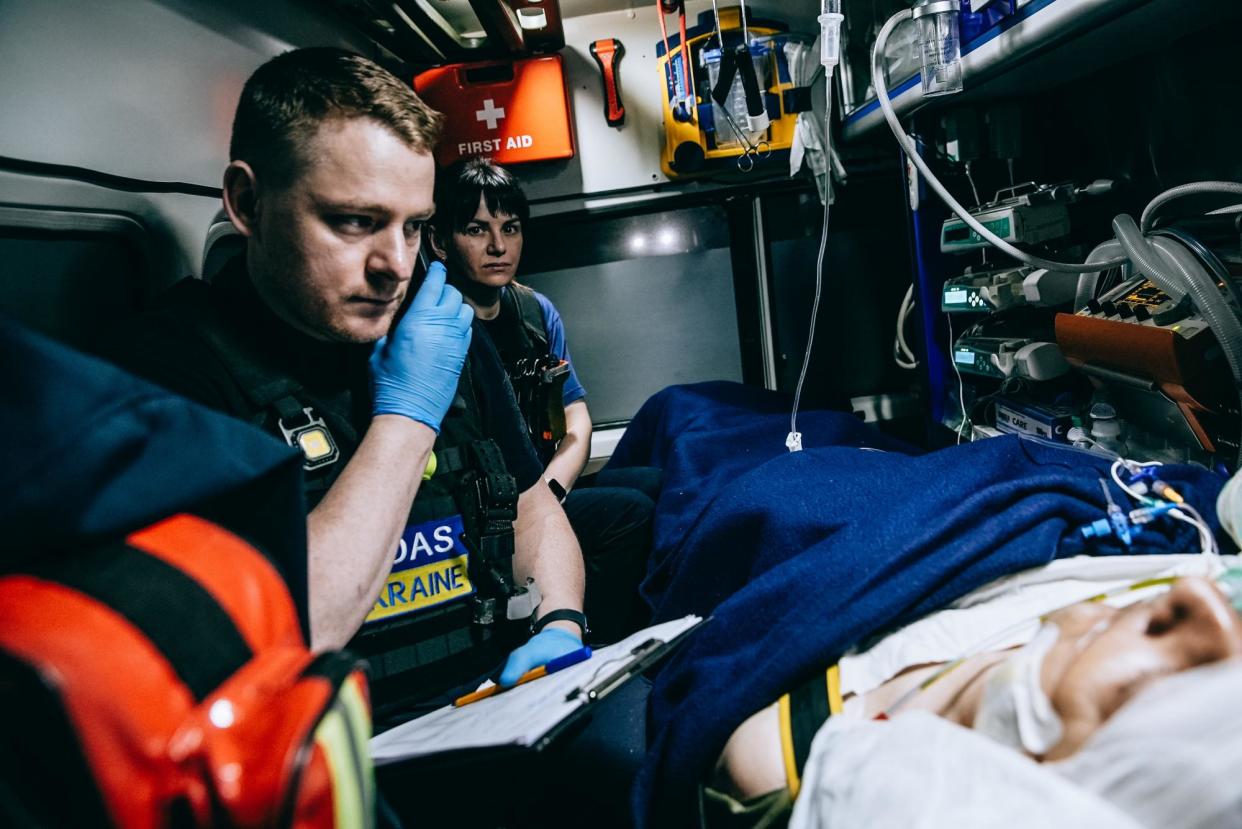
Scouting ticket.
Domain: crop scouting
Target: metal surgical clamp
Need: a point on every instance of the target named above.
(759, 150)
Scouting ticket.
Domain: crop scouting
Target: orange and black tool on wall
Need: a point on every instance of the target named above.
(162, 681)
(608, 54)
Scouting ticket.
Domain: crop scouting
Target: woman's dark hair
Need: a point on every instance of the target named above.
(459, 187)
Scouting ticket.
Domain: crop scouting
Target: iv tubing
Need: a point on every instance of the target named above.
(819, 273)
(903, 140)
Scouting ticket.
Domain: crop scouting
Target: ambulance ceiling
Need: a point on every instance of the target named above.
(429, 32)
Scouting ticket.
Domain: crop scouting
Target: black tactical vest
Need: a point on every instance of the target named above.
(439, 618)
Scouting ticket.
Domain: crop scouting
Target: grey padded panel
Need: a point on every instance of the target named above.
(638, 325)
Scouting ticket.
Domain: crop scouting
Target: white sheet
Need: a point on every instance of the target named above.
(920, 771)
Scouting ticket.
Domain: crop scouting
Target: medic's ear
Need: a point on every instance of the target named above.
(438, 245)
(241, 197)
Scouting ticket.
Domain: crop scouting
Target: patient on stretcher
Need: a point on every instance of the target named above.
(808, 561)
(1078, 665)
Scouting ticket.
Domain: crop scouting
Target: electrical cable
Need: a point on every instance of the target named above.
(970, 177)
(903, 355)
(961, 387)
(983, 251)
(907, 145)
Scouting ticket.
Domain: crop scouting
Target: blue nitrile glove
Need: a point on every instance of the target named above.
(540, 649)
(414, 369)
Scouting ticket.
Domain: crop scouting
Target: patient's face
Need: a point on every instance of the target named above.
(1104, 656)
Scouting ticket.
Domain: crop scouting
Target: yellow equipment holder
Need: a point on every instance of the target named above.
(700, 145)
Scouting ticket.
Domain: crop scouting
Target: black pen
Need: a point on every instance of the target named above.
(642, 658)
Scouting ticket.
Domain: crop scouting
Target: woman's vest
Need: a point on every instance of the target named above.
(537, 375)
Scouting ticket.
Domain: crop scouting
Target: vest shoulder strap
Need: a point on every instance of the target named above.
(260, 380)
(530, 312)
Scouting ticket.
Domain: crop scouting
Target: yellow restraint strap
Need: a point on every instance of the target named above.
(802, 711)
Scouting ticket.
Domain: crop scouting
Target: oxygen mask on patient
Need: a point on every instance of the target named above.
(1015, 711)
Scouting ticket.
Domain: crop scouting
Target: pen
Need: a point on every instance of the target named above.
(643, 656)
(551, 667)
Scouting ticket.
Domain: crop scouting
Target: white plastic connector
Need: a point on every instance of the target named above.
(793, 442)
(830, 34)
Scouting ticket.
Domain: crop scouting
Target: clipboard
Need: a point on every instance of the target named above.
(531, 717)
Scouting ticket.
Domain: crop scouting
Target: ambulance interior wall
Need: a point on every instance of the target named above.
(143, 89)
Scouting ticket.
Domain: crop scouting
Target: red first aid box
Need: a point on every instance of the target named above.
(511, 111)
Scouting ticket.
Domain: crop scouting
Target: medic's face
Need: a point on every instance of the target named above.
(487, 250)
(333, 252)
(1104, 656)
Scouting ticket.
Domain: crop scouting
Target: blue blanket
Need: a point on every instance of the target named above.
(800, 556)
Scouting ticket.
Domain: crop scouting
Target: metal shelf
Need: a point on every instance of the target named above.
(1049, 42)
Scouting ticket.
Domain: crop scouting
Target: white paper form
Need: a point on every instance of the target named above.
(520, 716)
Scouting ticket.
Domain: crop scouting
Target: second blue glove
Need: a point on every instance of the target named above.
(540, 649)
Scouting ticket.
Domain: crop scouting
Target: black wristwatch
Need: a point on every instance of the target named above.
(564, 615)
